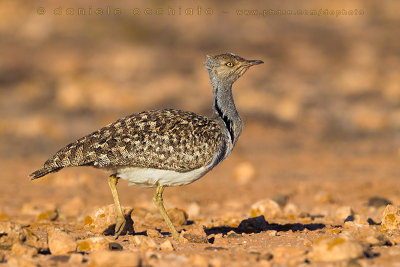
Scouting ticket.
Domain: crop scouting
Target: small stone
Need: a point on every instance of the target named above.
(114, 258)
(336, 249)
(19, 249)
(193, 210)
(323, 198)
(253, 225)
(391, 218)
(178, 216)
(11, 233)
(378, 202)
(153, 233)
(291, 210)
(145, 243)
(167, 246)
(93, 244)
(244, 172)
(289, 255)
(281, 200)
(102, 220)
(343, 213)
(60, 242)
(50, 215)
(75, 259)
(196, 234)
(267, 207)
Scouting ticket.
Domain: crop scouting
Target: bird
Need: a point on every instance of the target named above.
(162, 148)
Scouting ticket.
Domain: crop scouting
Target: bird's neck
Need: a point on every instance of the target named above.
(225, 108)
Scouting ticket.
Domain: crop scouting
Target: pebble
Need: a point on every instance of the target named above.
(178, 216)
(60, 242)
(49, 215)
(167, 246)
(323, 198)
(343, 213)
(153, 233)
(289, 255)
(244, 172)
(193, 210)
(281, 199)
(267, 207)
(253, 225)
(378, 202)
(114, 258)
(11, 233)
(336, 249)
(19, 249)
(144, 242)
(391, 218)
(102, 220)
(93, 244)
(196, 234)
(75, 259)
(291, 210)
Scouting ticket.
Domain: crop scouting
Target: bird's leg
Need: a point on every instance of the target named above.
(158, 200)
(120, 222)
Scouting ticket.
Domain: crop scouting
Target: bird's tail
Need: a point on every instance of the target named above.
(42, 172)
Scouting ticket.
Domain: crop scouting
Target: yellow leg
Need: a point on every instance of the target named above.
(158, 200)
(120, 222)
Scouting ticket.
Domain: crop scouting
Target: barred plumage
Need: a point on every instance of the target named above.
(161, 139)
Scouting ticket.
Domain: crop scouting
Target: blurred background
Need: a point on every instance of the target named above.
(325, 106)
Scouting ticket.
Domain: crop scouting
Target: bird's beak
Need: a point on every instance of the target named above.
(250, 63)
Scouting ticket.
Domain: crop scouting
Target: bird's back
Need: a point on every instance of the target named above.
(161, 139)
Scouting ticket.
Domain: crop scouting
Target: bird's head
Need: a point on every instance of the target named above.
(227, 68)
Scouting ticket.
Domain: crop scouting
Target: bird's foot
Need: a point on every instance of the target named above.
(119, 226)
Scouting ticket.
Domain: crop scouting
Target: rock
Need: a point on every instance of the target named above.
(193, 210)
(19, 249)
(253, 225)
(281, 200)
(167, 246)
(289, 255)
(323, 198)
(344, 213)
(178, 216)
(145, 243)
(11, 233)
(102, 220)
(75, 259)
(291, 210)
(114, 258)
(153, 233)
(60, 242)
(36, 208)
(21, 262)
(93, 244)
(267, 207)
(336, 249)
(196, 234)
(49, 215)
(244, 172)
(378, 202)
(391, 218)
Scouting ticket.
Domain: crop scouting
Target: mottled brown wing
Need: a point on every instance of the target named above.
(163, 139)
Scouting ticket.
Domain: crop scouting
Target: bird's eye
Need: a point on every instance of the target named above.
(229, 64)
